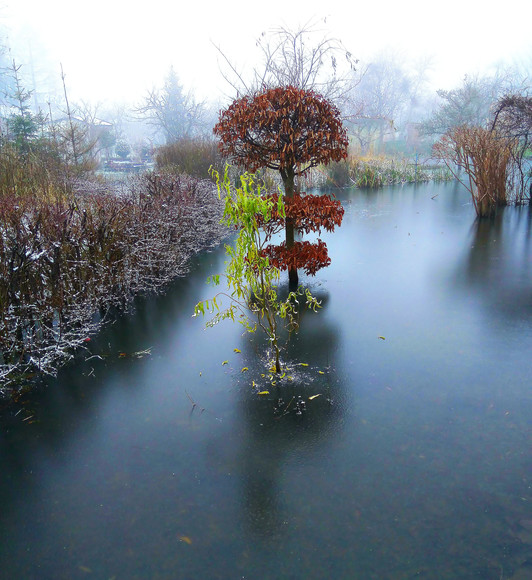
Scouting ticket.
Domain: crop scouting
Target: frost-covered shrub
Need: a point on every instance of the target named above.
(62, 260)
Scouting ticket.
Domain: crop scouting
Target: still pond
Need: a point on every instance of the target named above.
(414, 462)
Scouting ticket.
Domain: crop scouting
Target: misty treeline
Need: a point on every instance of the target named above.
(388, 103)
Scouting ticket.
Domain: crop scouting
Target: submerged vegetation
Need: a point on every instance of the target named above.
(252, 280)
(493, 158)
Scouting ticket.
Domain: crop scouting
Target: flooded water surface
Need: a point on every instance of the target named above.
(414, 461)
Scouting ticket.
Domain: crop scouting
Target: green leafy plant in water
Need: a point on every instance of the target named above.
(252, 281)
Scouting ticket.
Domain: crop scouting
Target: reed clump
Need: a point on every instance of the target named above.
(484, 156)
(373, 172)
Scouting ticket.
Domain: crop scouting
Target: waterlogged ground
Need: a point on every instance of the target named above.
(414, 462)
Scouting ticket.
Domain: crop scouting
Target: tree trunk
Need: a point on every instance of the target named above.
(288, 177)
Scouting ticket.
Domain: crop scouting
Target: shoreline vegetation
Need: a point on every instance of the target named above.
(75, 249)
(67, 262)
(72, 256)
(379, 171)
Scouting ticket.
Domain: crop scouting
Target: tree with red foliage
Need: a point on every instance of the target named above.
(289, 130)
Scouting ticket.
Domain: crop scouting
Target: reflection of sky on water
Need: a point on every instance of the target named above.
(420, 467)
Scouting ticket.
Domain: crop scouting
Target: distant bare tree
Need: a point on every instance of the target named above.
(304, 58)
(174, 112)
(383, 92)
(469, 104)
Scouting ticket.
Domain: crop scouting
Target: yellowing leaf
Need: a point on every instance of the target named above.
(226, 362)
(185, 539)
(244, 370)
(253, 384)
(321, 373)
(303, 364)
(382, 337)
(314, 396)
(236, 350)
(264, 393)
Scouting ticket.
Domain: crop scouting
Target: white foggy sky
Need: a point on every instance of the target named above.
(113, 50)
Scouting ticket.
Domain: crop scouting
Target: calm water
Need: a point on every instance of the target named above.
(415, 461)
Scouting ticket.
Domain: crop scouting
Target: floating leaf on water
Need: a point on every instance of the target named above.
(314, 396)
(283, 375)
(382, 337)
(200, 373)
(237, 350)
(244, 370)
(264, 393)
(303, 364)
(290, 378)
(226, 362)
(321, 373)
(185, 539)
(142, 353)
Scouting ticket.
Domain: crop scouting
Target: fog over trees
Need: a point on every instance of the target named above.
(386, 98)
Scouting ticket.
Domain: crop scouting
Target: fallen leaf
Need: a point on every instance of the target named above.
(382, 337)
(185, 539)
(244, 370)
(303, 364)
(85, 569)
(236, 350)
(226, 362)
(321, 373)
(264, 393)
(314, 396)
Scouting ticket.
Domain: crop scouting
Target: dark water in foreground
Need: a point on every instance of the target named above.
(419, 467)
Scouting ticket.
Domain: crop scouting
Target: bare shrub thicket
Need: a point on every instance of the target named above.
(485, 157)
(191, 156)
(512, 118)
(66, 261)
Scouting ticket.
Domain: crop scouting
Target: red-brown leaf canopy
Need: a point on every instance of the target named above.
(285, 128)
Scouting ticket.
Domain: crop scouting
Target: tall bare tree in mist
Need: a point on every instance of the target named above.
(305, 58)
(471, 103)
(174, 113)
